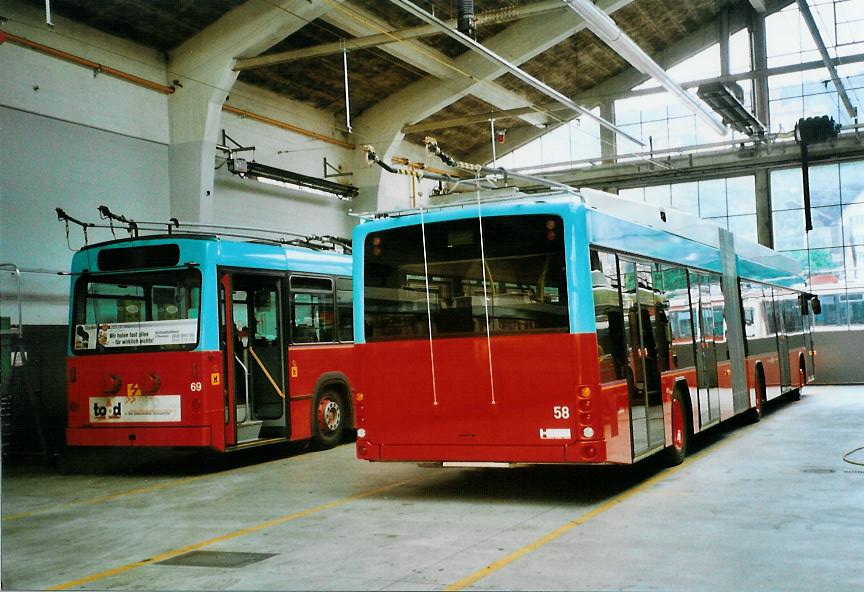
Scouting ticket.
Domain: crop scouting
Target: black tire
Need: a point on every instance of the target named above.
(802, 375)
(754, 414)
(329, 415)
(674, 454)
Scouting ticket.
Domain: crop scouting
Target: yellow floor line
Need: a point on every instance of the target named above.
(475, 577)
(136, 491)
(103, 498)
(225, 537)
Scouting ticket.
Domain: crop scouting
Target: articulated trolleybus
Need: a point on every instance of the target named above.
(200, 341)
(565, 329)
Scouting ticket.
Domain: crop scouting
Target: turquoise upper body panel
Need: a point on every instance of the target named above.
(587, 227)
(208, 253)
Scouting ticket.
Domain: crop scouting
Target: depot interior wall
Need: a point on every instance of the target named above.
(248, 202)
(74, 139)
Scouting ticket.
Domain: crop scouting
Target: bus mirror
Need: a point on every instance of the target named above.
(816, 305)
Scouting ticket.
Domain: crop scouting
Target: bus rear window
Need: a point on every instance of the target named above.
(521, 287)
(148, 311)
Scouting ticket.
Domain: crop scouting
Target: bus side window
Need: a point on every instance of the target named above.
(345, 309)
(608, 316)
(312, 310)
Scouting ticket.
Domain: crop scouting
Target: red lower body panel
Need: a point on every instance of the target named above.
(139, 436)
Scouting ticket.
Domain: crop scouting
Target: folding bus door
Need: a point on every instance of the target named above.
(706, 360)
(256, 381)
(782, 339)
(640, 329)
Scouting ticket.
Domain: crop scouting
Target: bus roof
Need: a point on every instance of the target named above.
(616, 223)
(226, 252)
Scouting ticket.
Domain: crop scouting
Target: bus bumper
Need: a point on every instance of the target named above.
(592, 452)
(138, 436)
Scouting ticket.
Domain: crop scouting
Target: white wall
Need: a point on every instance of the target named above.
(81, 140)
(45, 164)
(248, 202)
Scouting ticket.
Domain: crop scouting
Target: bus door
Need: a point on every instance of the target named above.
(256, 404)
(782, 341)
(706, 360)
(640, 329)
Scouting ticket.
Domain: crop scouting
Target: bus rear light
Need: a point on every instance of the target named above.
(585, 392)
(196, 404)
(585, 405)
(73, 374)
(587, 432)
(585, 418)
(361, 433)
(359, 397)
(589, 451)
(73, 406)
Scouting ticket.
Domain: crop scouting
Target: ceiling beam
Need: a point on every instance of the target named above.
(368, 40)
(851, 110)
(556, 108)
(358, 21)
(709, 165)
(511, 68)
(758, 6)
(382, 124)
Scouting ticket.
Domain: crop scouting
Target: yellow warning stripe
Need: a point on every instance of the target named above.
(475, 577)
(138, 490)
(225, 537)
(267, 374)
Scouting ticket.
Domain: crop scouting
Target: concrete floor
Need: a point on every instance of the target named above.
(771, 506)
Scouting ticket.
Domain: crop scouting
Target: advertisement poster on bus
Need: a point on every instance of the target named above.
(121, 409)
(172, 332)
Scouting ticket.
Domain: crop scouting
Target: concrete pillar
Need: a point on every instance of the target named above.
(203, 65)
(760, 62)
(764, 223)
(608, 138)
(195, 113)
(723, 38)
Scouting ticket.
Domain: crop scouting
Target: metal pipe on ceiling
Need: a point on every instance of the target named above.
(605, 28)
(510, 67)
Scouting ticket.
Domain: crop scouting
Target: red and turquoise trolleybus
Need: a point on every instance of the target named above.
(200, 341)
(563, 328)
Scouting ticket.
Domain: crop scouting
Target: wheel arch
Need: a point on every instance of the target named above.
(340, 382)
(683, 388)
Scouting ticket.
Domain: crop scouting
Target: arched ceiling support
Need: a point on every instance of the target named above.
(360, 22)
(204, 67)
(382, 124)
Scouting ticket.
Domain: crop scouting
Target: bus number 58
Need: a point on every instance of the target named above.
(561, 412)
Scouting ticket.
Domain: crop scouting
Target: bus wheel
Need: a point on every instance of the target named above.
(680, 431)
(795, 395)
(328, 424)
(754, 414)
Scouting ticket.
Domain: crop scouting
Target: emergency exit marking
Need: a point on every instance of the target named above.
(294, 370)
(214, 379)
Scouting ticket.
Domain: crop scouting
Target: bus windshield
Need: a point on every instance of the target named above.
(136, 312)
(514, 283)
